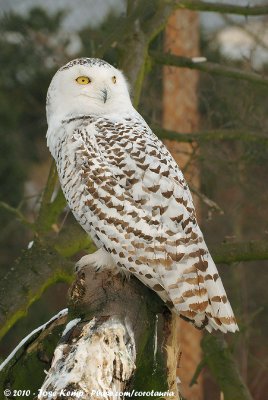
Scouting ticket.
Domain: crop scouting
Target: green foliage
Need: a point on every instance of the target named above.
(37, 20)
(29, 46)
(26, 45)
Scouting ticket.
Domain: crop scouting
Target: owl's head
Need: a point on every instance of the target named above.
(87, 86)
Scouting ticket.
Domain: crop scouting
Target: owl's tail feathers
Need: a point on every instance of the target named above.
(199, 296)
(219, 312)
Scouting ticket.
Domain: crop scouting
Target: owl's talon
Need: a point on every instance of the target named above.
(98, 261)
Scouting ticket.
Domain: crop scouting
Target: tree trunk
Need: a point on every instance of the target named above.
(180, 113)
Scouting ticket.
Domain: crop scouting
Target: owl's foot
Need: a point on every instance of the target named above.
(99, 260)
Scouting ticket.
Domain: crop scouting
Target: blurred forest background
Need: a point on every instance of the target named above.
(232, 159)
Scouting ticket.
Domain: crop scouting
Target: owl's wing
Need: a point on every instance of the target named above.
(137, 204)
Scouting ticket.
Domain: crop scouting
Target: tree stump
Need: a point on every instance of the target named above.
(118, 342)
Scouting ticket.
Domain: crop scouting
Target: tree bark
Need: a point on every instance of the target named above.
(180, 112)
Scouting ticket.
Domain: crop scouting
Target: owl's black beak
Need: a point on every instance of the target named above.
(104, 95)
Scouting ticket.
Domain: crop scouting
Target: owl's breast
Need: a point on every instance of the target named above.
(71, 164)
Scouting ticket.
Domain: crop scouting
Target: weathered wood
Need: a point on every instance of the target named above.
(118, 340)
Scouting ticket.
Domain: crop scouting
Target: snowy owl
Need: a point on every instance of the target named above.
(127, 192)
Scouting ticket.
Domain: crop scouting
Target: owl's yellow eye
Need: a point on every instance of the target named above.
(83, 80)
(114, 79)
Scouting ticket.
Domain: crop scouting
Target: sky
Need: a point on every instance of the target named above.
(84, 12)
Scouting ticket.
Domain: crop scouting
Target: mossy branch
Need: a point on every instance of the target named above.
(209, 67)
(32, 356)
(36, 270)
(17, 213)
(31, 341)
(210, 135)
(197, 5)
(223, 367)
(228, 253)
